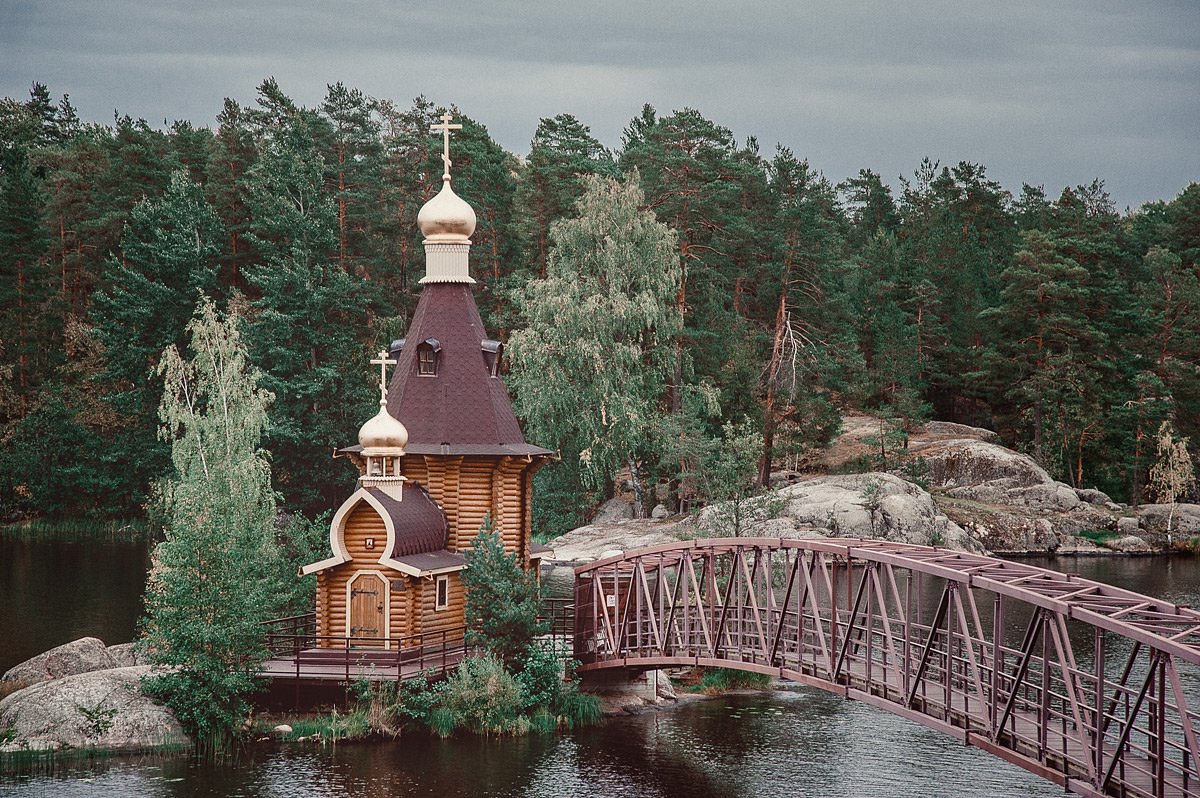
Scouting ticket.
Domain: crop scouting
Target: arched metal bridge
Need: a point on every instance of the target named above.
(1085, 684)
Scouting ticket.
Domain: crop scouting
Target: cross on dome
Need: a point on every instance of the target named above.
(445, 127)
(383, 362)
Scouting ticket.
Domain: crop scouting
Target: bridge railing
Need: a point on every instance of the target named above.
(1090, 686)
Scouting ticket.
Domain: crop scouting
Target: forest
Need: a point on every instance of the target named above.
(769, 300)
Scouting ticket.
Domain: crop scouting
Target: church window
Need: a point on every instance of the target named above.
(428, 353)
(442, 600)
(492, 351)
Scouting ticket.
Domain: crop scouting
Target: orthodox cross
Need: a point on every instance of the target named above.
(445, 129)
(383, 362)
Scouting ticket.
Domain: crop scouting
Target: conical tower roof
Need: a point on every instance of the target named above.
(446, 386)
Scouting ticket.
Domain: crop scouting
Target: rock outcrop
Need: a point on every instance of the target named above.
(1184, 523)
(982, 496)
(875, 506)
(79, 656)
(102, 709)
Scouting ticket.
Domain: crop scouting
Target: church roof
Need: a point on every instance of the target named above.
(419, 523)
(463, 408)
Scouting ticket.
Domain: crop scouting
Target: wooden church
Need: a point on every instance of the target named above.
(444, 453)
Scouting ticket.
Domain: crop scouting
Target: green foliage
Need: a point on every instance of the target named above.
(503, 603)
(723, 473)
(216, 575)
(715, 681)
(484, 697)
(591, 363)
(541, 675)
(560, 502)
(301, 541)
(97, 718)
(1069, 328)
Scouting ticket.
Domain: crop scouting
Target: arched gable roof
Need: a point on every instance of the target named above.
(417, 532)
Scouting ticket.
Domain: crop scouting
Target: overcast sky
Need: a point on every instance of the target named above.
(1055, 93)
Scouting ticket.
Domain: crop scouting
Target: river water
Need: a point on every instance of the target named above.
(794, 742)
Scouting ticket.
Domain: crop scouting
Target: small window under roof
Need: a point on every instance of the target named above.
(428, 354)
(492, 351)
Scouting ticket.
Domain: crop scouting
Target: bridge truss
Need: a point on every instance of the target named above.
(1090, 686)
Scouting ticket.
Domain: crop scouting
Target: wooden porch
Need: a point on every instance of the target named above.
(299, 654)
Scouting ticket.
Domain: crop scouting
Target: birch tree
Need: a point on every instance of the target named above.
(215, 576)
(591, 367)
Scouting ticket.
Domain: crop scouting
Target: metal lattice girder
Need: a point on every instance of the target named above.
(1085, 684)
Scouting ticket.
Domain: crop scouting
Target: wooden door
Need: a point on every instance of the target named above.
(368, 602)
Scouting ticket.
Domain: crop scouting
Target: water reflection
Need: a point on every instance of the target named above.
(56, 591)
(794, 743)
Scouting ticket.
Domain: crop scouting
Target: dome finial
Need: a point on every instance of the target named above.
(447, 222)
(383, 361)
(445, 128)
(383, 435)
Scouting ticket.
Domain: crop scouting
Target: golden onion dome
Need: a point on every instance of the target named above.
(382, 432)
(447, 216)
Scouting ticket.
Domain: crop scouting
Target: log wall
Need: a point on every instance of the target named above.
(472, 488)
(434, 620)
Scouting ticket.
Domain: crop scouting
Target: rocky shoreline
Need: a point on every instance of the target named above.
(955, 486)
(83, 696)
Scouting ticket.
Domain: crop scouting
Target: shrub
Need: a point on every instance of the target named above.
(720, 680)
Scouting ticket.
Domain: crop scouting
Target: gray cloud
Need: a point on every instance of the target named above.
(1050, 93)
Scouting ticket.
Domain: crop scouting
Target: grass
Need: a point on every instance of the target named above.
(81, 529)
(1098, 536)
(715, 681)
(330, 728)
(27, 761)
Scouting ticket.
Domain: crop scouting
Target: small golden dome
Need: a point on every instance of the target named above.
(447, 216)
(383, 432)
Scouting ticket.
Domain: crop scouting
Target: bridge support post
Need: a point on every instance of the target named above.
(621, 690)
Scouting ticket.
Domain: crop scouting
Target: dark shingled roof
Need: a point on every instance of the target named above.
(462, 409)
(419, 523)
(433, 560)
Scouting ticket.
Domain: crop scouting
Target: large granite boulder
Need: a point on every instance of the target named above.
(587, 543)
(970, 462)
(79, 656)
(126, 654)
(613, 510)
(1185, 521)
(874, 506)
(103, 709)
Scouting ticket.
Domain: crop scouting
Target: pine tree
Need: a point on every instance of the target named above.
(352, 158)
(811, 348)
(308, 312)
(1048, 346)
(503, 603)
(231, 156)
(169, 256)
(700, 184)
(563, 150)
